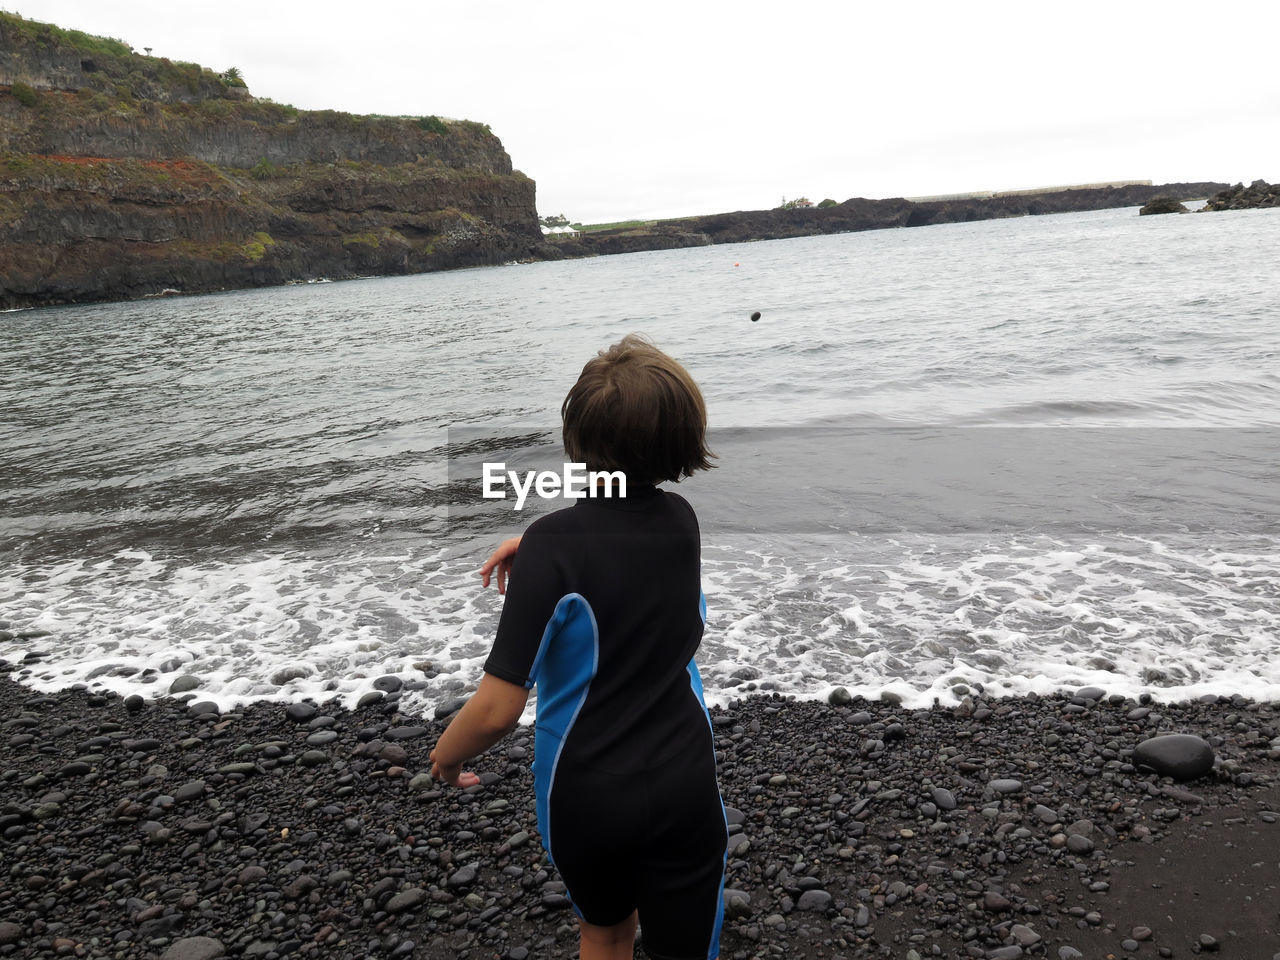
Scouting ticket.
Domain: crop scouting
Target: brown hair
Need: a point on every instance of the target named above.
(635, 409)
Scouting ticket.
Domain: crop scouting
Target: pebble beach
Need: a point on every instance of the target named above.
(999, 828)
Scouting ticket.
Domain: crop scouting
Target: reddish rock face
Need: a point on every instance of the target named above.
(126, 176)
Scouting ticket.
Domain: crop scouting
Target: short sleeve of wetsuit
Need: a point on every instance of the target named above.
(534, 588)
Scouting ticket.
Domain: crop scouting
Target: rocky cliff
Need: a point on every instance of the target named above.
(862, 214)
(124, 175)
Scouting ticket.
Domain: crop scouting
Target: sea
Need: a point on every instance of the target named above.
(1003, 457)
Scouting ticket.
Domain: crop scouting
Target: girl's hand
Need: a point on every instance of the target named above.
(452, 773)
(500, 560)
(492, 712)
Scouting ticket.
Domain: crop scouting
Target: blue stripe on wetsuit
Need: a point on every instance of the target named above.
(695, 681)
(563, 671)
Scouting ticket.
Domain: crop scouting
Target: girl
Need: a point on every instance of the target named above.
(604, 613)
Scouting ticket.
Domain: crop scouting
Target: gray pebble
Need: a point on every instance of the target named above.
(183, 684)
(194, 948)
(463, 876)
(406, 733)
(943, 798)
(1079, 844)
(406, 900)
(1025, 936)
(737, 903)
(815, 901)
(1045, 814)
(188, 791)
(287, 674)
(995, 902)
(394, 754)
(300, 712)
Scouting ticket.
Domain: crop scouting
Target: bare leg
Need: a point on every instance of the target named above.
(608, 943)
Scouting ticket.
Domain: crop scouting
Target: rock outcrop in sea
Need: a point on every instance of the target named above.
(1162, 205)
(1257, 194)
(124, 176)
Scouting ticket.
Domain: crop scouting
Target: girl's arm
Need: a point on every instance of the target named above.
(492, 712)
(501, 561)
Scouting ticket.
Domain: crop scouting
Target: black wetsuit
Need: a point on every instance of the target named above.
(604, 613)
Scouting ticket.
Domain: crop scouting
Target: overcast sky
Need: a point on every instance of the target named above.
(662, 109)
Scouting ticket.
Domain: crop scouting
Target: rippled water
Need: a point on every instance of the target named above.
(1026, 453)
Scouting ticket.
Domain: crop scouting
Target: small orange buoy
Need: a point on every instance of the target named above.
(737, 264)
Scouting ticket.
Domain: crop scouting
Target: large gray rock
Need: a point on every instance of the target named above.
(1182, 756)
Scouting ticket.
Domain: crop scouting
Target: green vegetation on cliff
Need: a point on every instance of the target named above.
(46, 34)
(109, 64)
(124, 175)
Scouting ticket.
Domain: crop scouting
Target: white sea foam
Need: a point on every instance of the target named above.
(277, 627)
(920, 618)
(925, 619)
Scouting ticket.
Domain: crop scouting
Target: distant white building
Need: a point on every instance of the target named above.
(557, 230)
